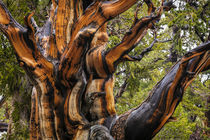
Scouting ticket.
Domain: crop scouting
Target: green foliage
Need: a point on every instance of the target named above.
(13, 83)
(20, 8)
(145, 74)
(2, 116)
(189, 114)
(10, 72)
(182, 129)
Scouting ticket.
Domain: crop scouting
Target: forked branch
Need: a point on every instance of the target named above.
(93, 18)
(24, 44)
(134, 36)
(114, 56)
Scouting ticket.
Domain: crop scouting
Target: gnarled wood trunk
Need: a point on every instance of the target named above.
(72, 72)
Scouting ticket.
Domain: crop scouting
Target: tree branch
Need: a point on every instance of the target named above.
(38, 68)
(122, 89)
(72, 60)
(151, 7)
(94, 18)
(24, 44)
(98, 14)
(67, 13)
(139, 57)
(199, 34)
(104, 63)
(157, 109)
(145, 51)
(113, 8)
(137, 32)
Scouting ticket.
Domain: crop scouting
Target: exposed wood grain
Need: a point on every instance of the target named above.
(73, 73)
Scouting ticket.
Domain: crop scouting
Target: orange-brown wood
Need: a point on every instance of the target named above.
(34, 119)
(73, 73)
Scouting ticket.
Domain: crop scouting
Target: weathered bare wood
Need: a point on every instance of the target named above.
(131, 38)
(152, 114)
(72, 73)
(34, 118)
(93, 18)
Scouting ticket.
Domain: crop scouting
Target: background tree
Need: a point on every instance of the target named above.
(15, 88)
(130, 73)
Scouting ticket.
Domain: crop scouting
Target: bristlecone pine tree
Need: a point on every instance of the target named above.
(72, 71)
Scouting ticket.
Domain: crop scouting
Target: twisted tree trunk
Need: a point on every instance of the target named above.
(72, 72)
